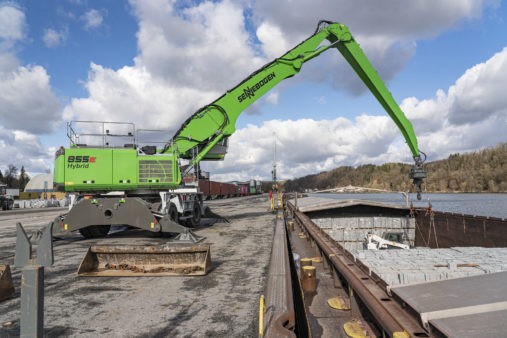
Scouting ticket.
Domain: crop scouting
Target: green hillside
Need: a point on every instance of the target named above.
(481, 171)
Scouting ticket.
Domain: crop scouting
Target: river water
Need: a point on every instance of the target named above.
(492, 205)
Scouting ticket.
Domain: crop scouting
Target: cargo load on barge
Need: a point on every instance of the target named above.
(457, 289)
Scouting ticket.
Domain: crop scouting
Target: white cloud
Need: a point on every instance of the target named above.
(391, 20)
(26, 100)
(386, 30)
(274, 43)
(308, 146)
(480, 92)
(23, 149)
(12, 22)
(27, 104)
(8, 62)
(189, 56)
(93, 19)
(472, 114)
(186, 60)
(205, 47)
(53, 38)
(132, 94)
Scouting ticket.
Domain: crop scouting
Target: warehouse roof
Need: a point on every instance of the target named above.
(38, 183)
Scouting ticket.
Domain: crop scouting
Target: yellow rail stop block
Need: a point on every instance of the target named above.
(338, 303)
(353, 329)
(317, 259)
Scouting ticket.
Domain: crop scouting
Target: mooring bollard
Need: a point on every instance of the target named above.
(32, 279)
(304, 262)
(309, 278)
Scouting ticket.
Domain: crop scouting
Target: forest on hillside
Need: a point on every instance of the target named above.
(481, 171)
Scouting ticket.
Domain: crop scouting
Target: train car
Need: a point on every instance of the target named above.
(227, 190)
(252, 187)
(204, 187)
(243, 189)
(214, 189)
(258, 187)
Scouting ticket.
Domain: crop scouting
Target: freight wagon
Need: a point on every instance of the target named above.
(214, 190)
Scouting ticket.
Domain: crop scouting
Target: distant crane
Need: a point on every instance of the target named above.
(273, 171)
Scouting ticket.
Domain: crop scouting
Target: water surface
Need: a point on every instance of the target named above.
(492, 205)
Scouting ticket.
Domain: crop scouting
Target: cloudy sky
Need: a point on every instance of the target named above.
(154, 62)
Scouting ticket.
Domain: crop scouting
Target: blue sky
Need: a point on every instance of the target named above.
(154, 62)
(111, 44)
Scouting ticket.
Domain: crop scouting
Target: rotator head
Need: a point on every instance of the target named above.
(418, 173)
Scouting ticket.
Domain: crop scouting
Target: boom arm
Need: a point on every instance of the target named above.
(209, 128)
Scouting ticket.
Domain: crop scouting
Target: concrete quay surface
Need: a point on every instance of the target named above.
(223, 303)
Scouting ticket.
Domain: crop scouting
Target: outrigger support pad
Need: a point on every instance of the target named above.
(188, 237)
(31, 323)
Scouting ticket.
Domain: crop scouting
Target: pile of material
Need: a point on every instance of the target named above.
(41, 203)
(398, 267)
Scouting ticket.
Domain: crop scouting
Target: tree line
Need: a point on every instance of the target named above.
(12, 179)
(480, 171)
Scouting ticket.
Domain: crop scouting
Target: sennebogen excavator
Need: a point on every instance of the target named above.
(142, 186)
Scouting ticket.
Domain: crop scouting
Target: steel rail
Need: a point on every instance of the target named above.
(279, 317)
(389, 314)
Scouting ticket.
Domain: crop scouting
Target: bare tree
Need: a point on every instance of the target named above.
(10, 176)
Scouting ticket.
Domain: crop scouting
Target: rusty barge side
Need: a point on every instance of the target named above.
(436, 229)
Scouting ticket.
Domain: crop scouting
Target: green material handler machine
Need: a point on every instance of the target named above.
(141, 186)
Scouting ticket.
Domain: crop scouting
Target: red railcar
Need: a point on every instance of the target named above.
(228, 190)
(204, 187)
(214, 189)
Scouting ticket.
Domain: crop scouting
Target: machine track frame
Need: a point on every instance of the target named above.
(93, 215)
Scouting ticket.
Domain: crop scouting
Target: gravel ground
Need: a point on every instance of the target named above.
(222, 303)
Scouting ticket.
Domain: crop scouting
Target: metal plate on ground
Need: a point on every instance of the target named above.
(145, 260)
(491, 324)
(474, 297)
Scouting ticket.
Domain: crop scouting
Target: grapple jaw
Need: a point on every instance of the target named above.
(418, 174)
